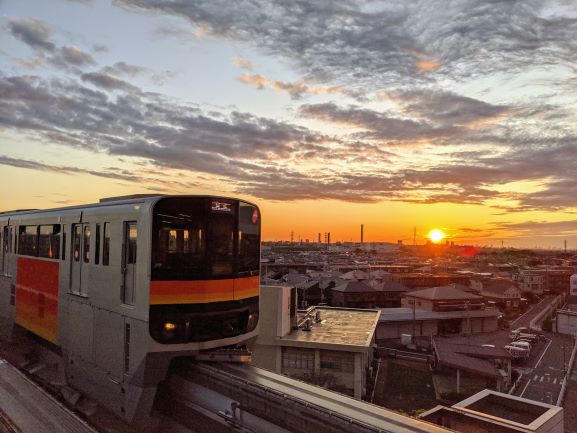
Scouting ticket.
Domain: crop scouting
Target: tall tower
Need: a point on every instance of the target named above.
(329, 238)
(319, 238)
(292, 236)
(362, 233)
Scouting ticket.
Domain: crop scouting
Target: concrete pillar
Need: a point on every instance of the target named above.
(278, 365)
(358, 381)
(317, 363)
(458, 381)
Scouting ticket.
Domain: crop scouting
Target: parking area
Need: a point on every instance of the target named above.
(543, 374)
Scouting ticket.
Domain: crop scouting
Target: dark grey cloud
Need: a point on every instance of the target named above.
(123, 68)
(34, 33)
(448, 108)
(148, 126)
(263, 157)
(370, 45)
(107, 81)
(378, 125)
(38, 36)
(541, 227)
(109, 172)
(76, 57)
(424, 114)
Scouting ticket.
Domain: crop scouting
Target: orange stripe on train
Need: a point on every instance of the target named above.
(37, 297)
(203, 291)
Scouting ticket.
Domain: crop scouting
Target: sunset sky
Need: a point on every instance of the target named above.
(455, 115)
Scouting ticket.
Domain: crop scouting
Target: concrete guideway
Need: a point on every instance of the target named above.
(527, 317)
(31, 409)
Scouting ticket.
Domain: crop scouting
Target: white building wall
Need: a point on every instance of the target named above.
(573, 285)
(566, 323)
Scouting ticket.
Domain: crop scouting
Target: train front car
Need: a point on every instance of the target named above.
(204, 277)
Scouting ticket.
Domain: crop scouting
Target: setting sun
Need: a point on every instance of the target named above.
(436, 236)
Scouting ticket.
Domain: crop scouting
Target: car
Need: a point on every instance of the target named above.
(521, 344)
(529, 337)
(517, 352)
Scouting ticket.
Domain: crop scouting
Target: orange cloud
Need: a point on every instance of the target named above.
(423, 62)
(256, 79)
(295, 89)
(243, 63)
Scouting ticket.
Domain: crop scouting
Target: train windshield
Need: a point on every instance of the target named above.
(204, 238)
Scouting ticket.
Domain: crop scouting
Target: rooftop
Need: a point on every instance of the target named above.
(341, 326)
(472, 358)
(354, 287)
(510, 408)
(497, 411)
(443, 293)
(405, 314)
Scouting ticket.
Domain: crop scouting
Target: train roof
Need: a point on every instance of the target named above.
(112, 201)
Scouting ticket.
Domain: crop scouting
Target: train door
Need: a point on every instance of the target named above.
(3, 233)
(129, 262)
(80, 258)
(6, 249)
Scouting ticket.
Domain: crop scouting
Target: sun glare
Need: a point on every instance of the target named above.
(436, 236)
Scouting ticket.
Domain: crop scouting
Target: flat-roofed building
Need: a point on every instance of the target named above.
(443, 298)
(494, 412)
(331, 347)
(394, 322)
(566, 320)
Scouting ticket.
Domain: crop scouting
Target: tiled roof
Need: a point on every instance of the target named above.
(355, 287)
(443, 293)
(474, 359)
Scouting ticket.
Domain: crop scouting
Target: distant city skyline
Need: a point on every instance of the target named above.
(455, 116)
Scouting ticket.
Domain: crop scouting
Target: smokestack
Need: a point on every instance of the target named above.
(329, 238)
(362, 233)
(319, 238)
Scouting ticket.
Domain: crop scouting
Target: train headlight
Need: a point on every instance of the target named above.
(168, 330)
(252, 321)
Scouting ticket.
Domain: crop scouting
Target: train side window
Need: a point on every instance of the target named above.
(63, 242)
(49, 241)
(86, 250)
(28, 240)
(97, 245)
(106, 245)
(132, 234)
(76, 242)
(6, 240)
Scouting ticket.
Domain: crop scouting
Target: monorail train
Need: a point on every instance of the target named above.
(121, 287)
